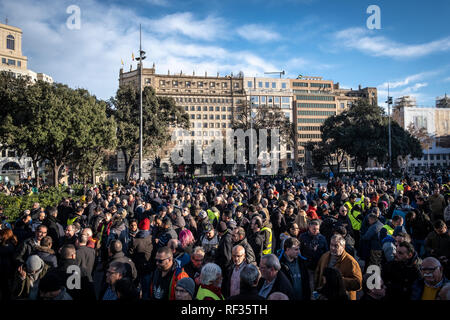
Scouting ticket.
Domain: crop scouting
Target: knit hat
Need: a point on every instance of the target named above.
(34, 263)
(187, 284)
(144, 224)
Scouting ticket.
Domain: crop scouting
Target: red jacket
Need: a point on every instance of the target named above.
(311, 213)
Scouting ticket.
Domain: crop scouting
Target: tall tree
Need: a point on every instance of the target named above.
(160, 115)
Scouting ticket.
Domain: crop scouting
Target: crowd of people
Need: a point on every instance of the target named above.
(250, 238)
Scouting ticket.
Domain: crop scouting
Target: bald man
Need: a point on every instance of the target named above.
(432, 282)
(231, 281)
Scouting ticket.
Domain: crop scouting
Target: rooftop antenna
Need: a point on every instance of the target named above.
(276, 72)
(6, 20)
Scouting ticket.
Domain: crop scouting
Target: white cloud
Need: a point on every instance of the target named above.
(91, 57)
(210, 28)
(258, 33)
(365, 41)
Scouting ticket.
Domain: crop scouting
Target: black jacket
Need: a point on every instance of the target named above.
(306, 288)
(86, 292)
(281, 284)
(223, 255)
(256, 241)
(86, 258)
(247, 294)
(54, 230)
(24, 250)
(399, 276)
(140, 249)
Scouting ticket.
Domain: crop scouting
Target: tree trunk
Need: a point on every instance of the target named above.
(56, 168)
(36, 172)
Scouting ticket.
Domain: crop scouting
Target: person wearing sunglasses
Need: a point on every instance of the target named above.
(166, 276)
(432, 282)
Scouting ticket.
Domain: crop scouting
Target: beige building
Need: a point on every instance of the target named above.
(276, 93)
(13, 61)
(316, 99)
(210, 100)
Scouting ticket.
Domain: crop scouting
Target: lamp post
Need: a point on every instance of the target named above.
(389, 102)
(140, 59)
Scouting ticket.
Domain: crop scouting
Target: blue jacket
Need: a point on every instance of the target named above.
(419, 285)
(372, 235)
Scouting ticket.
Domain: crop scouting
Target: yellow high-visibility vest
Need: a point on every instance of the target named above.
(268, 249)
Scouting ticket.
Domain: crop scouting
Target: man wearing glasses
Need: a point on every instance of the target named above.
(166, 276)
(115, 272)
(432, 282)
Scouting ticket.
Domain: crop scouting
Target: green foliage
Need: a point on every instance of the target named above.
(160, 114)
(362, 133)
(15, 205)
(54, 122)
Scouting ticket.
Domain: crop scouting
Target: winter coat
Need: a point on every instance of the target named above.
(140, 250)
(47, 255)
(129, 264)
(349, 268)
(399, 276)
(54, 230)
(312, 248)
(371, 236)
(438, 245)
(26, 289)
(24, 250)
(419, 285)
(281, 284)
(223, 256)
(306, 288)
(86, 258)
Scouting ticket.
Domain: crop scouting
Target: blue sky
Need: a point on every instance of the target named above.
(325, 38)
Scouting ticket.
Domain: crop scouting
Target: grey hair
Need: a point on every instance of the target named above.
(199, 251)
(249, 275)
(210, 272)
(272, 261)
(339, 238)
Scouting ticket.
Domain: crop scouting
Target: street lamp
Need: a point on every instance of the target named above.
(389, 102)
(140, 59)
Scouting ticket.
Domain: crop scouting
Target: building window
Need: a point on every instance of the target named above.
(263, 99)
(205, 108)
(438, 157)
(211, 117)
(224, 109)
(260, 84)
(147, 80)
(276, 100)
(192, 116)
(249, 84)
(236, 85)
(186, 108)
(300, 84)
(270, 100)
(19, 64)
(212, 84)
(205, 117)
(175, 83)
(217, 108)
(274, 85)
(200, 84)
(192, 108)
(224, 85)
(4, 60)
(283, 85)
(188, 84)
(342, 105)
(11, 62)
(211, 108)
(267, 84)
(11, 153)
(285, 99)
(224, 117)
(10, 42)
